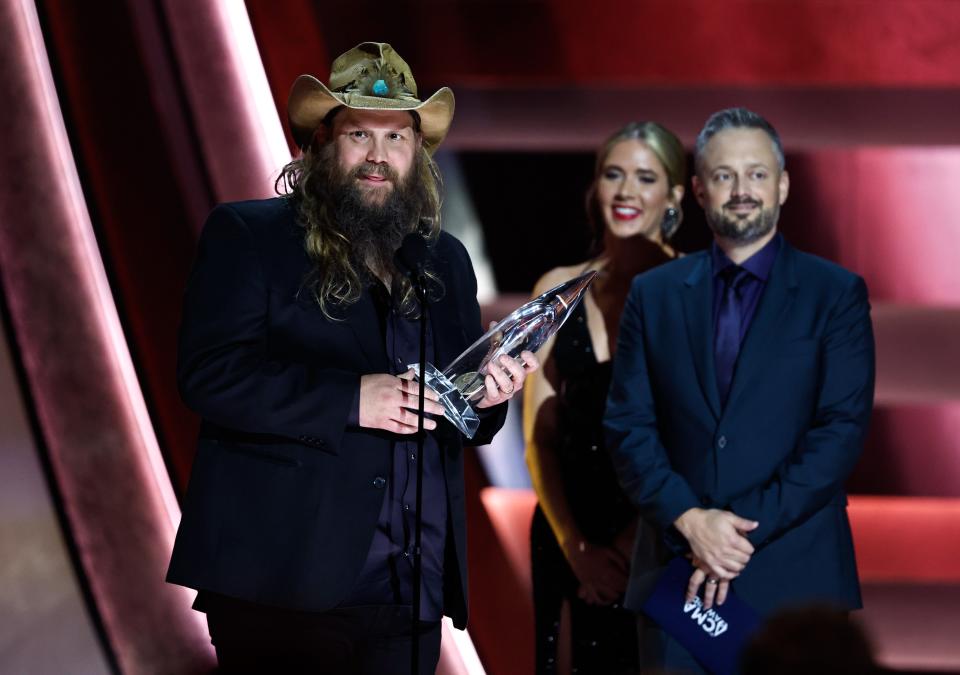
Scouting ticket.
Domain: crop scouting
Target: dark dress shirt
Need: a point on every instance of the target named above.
(387, 574)
(758, 265)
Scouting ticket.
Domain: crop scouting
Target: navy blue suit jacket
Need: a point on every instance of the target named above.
(781, 449)
(284, 493)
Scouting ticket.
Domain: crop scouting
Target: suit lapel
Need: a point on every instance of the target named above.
(361, 316)
(774, 307)
(698, 314)
(448, 335)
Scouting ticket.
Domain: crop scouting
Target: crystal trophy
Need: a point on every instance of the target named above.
(526, 329)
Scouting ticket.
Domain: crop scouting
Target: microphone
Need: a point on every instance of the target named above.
(412, 256)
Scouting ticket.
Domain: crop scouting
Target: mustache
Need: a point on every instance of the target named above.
(370, 169)
(739, 201)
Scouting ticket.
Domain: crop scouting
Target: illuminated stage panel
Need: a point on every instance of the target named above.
(548, 117)
(913, 626)
(911, 450)
(755, 42)
(908, 555)
(237, 124)
(511, 511)
(109, 475)
(908, 242)
(918, 360)
(906, 539)
(890, 214)
(569, 45)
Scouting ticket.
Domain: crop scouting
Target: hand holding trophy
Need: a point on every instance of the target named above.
(526, 329)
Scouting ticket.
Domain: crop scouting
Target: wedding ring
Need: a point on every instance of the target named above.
(507, 391)
(713, 581)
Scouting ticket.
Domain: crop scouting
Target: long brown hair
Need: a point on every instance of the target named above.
(338, 277)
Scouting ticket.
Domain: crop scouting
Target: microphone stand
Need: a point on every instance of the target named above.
(418, 286)
(410, 259)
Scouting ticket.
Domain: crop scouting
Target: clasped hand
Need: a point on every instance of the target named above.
(601, 570)
(719, 549)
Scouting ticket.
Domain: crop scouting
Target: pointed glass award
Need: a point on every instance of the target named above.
(526, 329)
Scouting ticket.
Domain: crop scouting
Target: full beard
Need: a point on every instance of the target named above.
(374, 224)
(743, 230)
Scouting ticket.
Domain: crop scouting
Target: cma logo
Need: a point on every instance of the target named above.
(708, 620)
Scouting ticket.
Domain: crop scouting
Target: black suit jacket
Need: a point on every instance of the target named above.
(284, 494)
(779, 451)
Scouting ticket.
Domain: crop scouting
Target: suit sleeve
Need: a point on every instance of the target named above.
(224, 372)
(828, 451)
(630, 424)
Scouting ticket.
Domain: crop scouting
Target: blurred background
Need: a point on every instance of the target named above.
(122, 122)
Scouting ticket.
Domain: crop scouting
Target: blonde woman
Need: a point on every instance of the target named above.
(584, 527)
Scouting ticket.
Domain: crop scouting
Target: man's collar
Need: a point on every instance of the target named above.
(759, 264)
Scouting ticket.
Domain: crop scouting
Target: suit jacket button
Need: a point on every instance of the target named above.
(722, 442)
(379, 482)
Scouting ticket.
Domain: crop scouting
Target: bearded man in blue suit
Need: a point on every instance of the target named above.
(740, 398)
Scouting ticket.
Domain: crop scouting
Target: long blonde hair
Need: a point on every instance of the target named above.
(668, 149)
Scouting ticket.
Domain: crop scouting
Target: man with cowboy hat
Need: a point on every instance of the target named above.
(297, 330)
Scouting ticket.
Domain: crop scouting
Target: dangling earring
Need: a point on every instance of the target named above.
(670, 222)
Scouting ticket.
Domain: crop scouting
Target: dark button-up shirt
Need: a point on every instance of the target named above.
(759, 266)
(387, 575)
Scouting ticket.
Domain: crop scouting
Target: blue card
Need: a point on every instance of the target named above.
(716, 636)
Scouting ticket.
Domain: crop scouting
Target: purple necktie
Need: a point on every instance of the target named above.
(726, 342)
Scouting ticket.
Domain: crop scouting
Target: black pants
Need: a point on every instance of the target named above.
(355, 640)
(661, 653)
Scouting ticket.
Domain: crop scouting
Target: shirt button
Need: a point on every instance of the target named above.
(593, 448)
(379, 482)
(722, 442)
(406, 507)
(413, 457)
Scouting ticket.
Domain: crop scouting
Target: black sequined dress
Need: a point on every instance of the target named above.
(604, 639)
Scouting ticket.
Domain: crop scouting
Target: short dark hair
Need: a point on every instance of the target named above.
(736, 118)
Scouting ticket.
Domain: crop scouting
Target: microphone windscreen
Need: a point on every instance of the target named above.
(412, 254)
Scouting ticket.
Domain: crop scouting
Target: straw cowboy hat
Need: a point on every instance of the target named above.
(371, 76)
